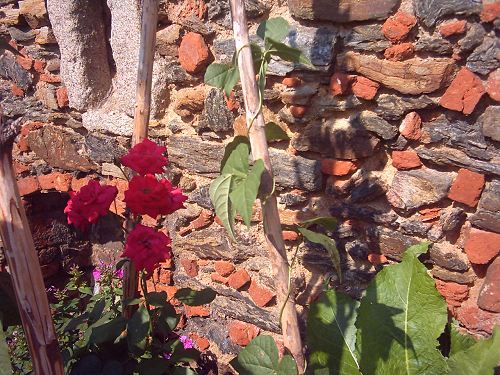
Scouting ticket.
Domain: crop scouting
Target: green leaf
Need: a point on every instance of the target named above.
(274, 28)
(479, 359)
(235, 160)
(157, 298)
(109, 331)
(288, 53)
(244, 195)
(192, 297)
(222, 76)
(219, 195)
(327, 222)
(459, 341)
(75, 322)
(183, 371)
(138, 329)
(260, 357)
(400, 319)
(153, 366)
(8, 304)
(274, 132)
(167, 319)
(5, 365)
(327, 243)
(96, 312)
(182, 355)
(331, 334)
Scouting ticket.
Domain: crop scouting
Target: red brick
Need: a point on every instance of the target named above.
(55, 180)
(475, 319)
(25, 62)
(28, 185)
(26, 128)
(430, 214)
(190, 266)
(403, 160)
(201, 343)
(165, 276)
(16, 90)
(201, 311)
(242, 333)
(397, 27)
(239, 279)
(193, 53)
(399, 52)
(365, 88)
(62, 97)
(39, 66)
(490, 12)
(336, 167)
(224, 268)
(298, 111)
(216, 278)
(464, 92)
(78, 183)
(489, 295)
(493, 85)
(377, 259)
(260, 295)
(340, 83)
(202, 221)
(290, 235)
(292, 81)
(467, 187)
(451, 28)
(19, 167)
(50, 78)
(410, 127)
(453, 293)
(481, 246)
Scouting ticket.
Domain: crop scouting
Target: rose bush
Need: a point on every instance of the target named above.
(146, 158)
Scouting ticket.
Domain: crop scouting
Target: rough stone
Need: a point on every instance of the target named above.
(467, 187)
(413, 76)
(366, 38)
(429, 11)
(487, 215)
(489, 122)
(34, 12)
(397, 27)
(351, 211)
(489, 295)
(341, 139)
(195, 24)
(46, 94)
(452, 218)
(322, 105)
(464, 92)
(219, 11)
(416, 188)
(493, 85)
(393, 107)
(399, 52)
(474, 37)
(340, 83)
(434, 44)
(21, 36)
(216, 116)
(102, 148)
(80, 32)
(45, 35)
(466, 277)
(300, 95)
(484, 58)
(193, 53)
(114, 121)
(410, 127)
(373, 123)
(341, 10)
(403, 160)
(292, 198)
(448, 256)
(10, 69)
(364, 88)
(393, 244)
(60, 148)
(366, 190)
(166, 40)
(481, 246)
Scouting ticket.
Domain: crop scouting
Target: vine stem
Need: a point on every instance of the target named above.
(272, 225)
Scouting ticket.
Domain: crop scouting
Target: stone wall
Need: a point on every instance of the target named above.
(394, 131)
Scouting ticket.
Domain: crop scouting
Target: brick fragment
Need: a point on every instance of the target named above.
(193, 53)
(27, 185)
(397, 27)
(481, 246)
(260, 295)
(242, 333)
(411, 126)
(224, 268)
(239, 279)
(467, 187)
(190, 266)
(335, 167)
(404, 160)
(365, 88)
(464, 92)
(452, 28)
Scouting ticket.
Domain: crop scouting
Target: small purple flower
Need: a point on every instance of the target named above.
(119, 273)
(167, 355)
(187, 342)
(96, 274)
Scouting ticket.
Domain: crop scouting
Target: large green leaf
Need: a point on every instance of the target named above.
(327, 243)
(192, 297)
(108, 332)
(459, 341)
(222, 76)
(138, 329)
(274, 132)
(479, 359)
(288, 53)
(235, 160)
(274, 28)
(5, 366)
(219, 195)
(260, 357)
(328, 222)
(400, 319)
(245, 192)
(331, 335)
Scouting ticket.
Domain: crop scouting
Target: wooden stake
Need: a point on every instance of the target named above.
(272, 225)
(24, 267)
(141, 117)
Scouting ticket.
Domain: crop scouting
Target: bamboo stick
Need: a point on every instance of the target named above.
(141, 117)
(272, 225)
(24, 267)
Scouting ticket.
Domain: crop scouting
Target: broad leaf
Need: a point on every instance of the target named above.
(157, 298)
(327, 222)
(235, 160)
(274, 132)
(400, 319)
(219, 195)
(459, 341)
(222, 76)
(167, 318)
(481, 358)
(109, 331)
(245, 193)
(153, 366)
(260, 357)
(288, 53)
(192, 297)
(138, 329)
(331, 335)
(274, 28)
(327, 243)
(5, 366)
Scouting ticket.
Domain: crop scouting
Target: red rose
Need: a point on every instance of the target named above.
(147, 248)
(146, 158)
(148, 196)
(91, 202)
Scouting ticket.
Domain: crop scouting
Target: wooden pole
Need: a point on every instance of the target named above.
(24, 267)
(272, 225)
(141, 115)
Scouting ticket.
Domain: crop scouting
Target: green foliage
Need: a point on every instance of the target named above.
(274, 132)
(459, 341)
(222, 76)
(260, 357)
(5, 366)
(195, 298)
(8, 307)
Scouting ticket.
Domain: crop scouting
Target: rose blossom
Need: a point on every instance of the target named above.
(91, 202)
(147, 248)
(146, 158)
(148, 196)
